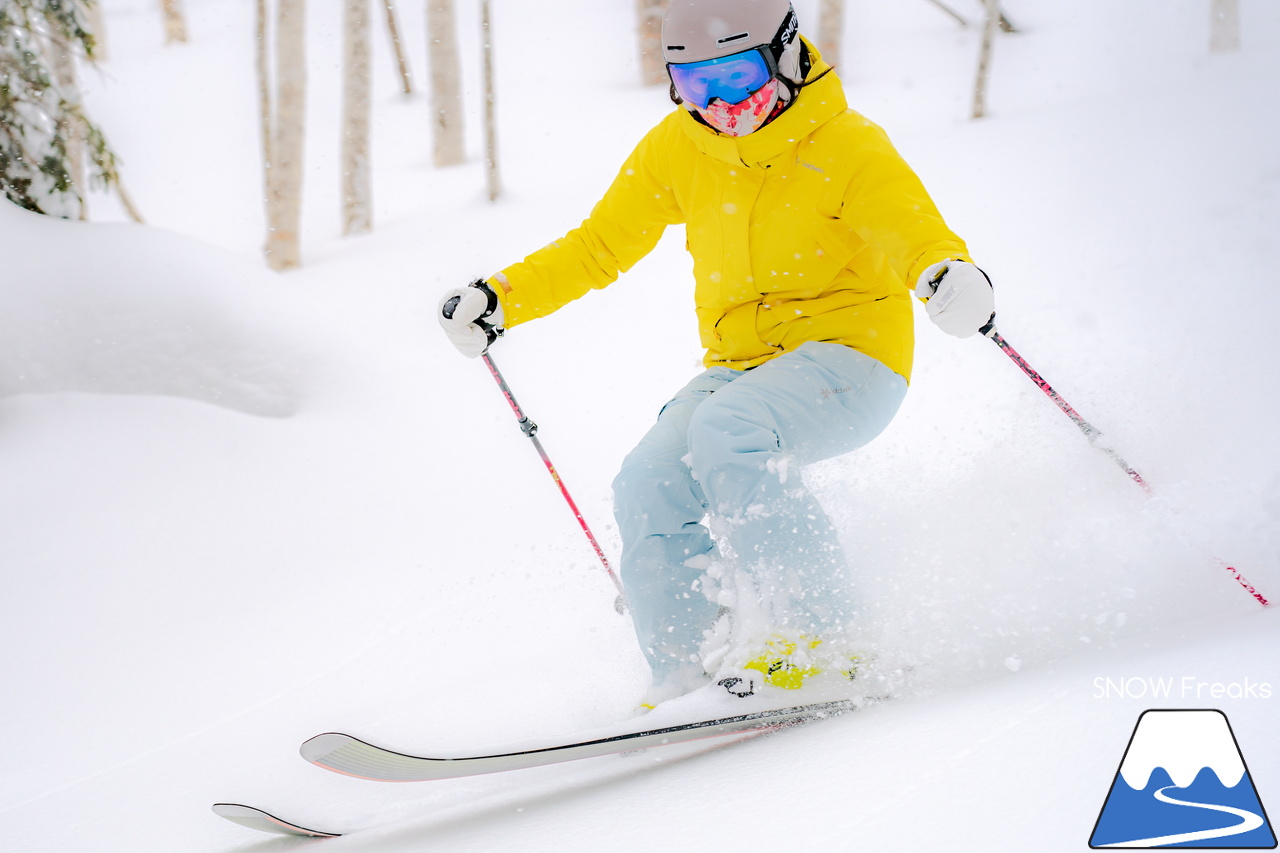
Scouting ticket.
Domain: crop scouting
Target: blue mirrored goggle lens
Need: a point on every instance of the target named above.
(730, 78)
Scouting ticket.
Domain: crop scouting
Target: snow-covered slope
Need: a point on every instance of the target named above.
(239, 509)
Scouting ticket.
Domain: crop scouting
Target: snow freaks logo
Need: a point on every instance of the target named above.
(1183, 783)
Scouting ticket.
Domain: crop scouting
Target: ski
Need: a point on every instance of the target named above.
(265, 822)
(353, 757)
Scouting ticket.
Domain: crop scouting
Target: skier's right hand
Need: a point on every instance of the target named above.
(472, 317)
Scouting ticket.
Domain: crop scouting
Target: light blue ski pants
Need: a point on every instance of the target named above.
(727, 450)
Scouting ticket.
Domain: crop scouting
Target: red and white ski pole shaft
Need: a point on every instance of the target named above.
(1093, 434)
(530, 429)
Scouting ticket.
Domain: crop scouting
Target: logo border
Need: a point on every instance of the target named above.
(1247, 773)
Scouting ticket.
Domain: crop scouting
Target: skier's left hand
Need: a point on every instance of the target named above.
(958, 297)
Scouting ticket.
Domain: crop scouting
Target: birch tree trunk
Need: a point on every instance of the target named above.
(653, 71)
(446, 83)
(175, 23)
(262, 55)
(126, 201)
(984, 58)
(98, 26)
(357, 188)
(79, 149)
(1224, 26)
(831, 30)
(63, 66)
(494, 181)
(402, 64)
(284, 173)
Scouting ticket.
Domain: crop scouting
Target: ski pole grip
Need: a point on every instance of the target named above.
(450, 306)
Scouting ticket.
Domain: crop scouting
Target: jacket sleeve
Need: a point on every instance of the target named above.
(623, 227)
(888, 206)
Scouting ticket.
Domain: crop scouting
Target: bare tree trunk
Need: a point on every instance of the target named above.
(284, 190)
(126, 201)
(98, 26)
(1224, 26)
(653, 71)
(175, 23)
(357, 189)
(263, 55)
(490, 119)
(263, 58)
(402, 64)
(831, 30)
(446, 83)
(984, 58)
(64, 75)
(65, 71)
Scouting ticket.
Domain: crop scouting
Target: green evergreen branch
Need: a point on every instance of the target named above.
(38, 119)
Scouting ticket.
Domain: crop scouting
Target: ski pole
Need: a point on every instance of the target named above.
(530, 429)
(1093, 434)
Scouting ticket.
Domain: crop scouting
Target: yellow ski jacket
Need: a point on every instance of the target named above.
(809, 229)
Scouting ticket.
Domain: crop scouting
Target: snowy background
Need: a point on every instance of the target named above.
(238, 509)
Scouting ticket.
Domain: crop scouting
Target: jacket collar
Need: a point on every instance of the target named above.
(821, 100)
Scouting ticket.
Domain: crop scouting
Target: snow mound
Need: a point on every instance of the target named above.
(122, 309)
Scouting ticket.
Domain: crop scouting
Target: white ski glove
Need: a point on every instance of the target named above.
(472, 317)
(958, 297)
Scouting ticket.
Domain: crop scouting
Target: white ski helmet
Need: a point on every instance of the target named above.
(734, 63)
(694, 30)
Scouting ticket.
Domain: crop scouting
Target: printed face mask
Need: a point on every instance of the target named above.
(745, 116)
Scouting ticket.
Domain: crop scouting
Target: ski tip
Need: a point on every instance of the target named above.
(319, 747)
(255, 818)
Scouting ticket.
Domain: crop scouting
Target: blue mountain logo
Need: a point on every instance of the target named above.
(1183, 783)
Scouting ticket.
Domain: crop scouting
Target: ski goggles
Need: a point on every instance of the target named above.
(732, 78)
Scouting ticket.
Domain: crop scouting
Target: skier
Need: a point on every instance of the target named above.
(808, 233)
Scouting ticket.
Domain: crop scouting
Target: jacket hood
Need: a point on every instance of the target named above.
(820, 100)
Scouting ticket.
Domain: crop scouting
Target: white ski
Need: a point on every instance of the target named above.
(264, 822)
(353, 757)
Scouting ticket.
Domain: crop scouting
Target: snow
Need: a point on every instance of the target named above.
(1183, 743)
(238, 509)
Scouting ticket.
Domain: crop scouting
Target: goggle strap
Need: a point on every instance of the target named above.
(786, 34)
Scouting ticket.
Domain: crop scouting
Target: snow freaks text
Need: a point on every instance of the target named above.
(1187, 687)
